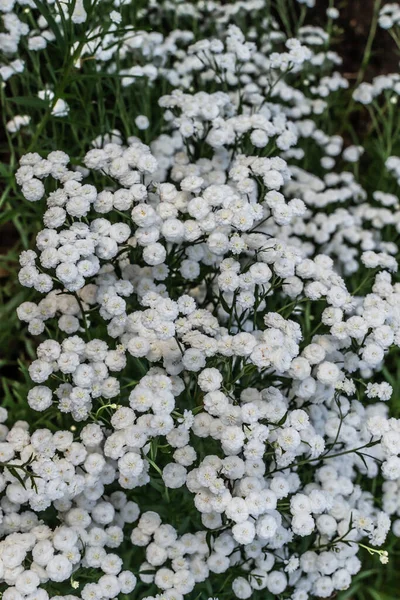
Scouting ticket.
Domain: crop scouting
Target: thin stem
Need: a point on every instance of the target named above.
(324, 457)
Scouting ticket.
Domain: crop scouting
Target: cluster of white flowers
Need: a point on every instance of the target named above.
(17, 122)
(197, 333)
(389, 15)
(21, 21)
(52, 470)
(366, 93)
(393, 166)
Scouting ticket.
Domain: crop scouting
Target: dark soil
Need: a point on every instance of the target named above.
(355, 22)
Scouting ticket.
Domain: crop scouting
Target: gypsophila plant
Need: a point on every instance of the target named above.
(212, 299)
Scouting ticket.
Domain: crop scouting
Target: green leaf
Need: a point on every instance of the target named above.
(380, 595)
(29, 101)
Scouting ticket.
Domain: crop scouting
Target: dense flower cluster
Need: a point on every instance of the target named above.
(389, 15)
(197, 332)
